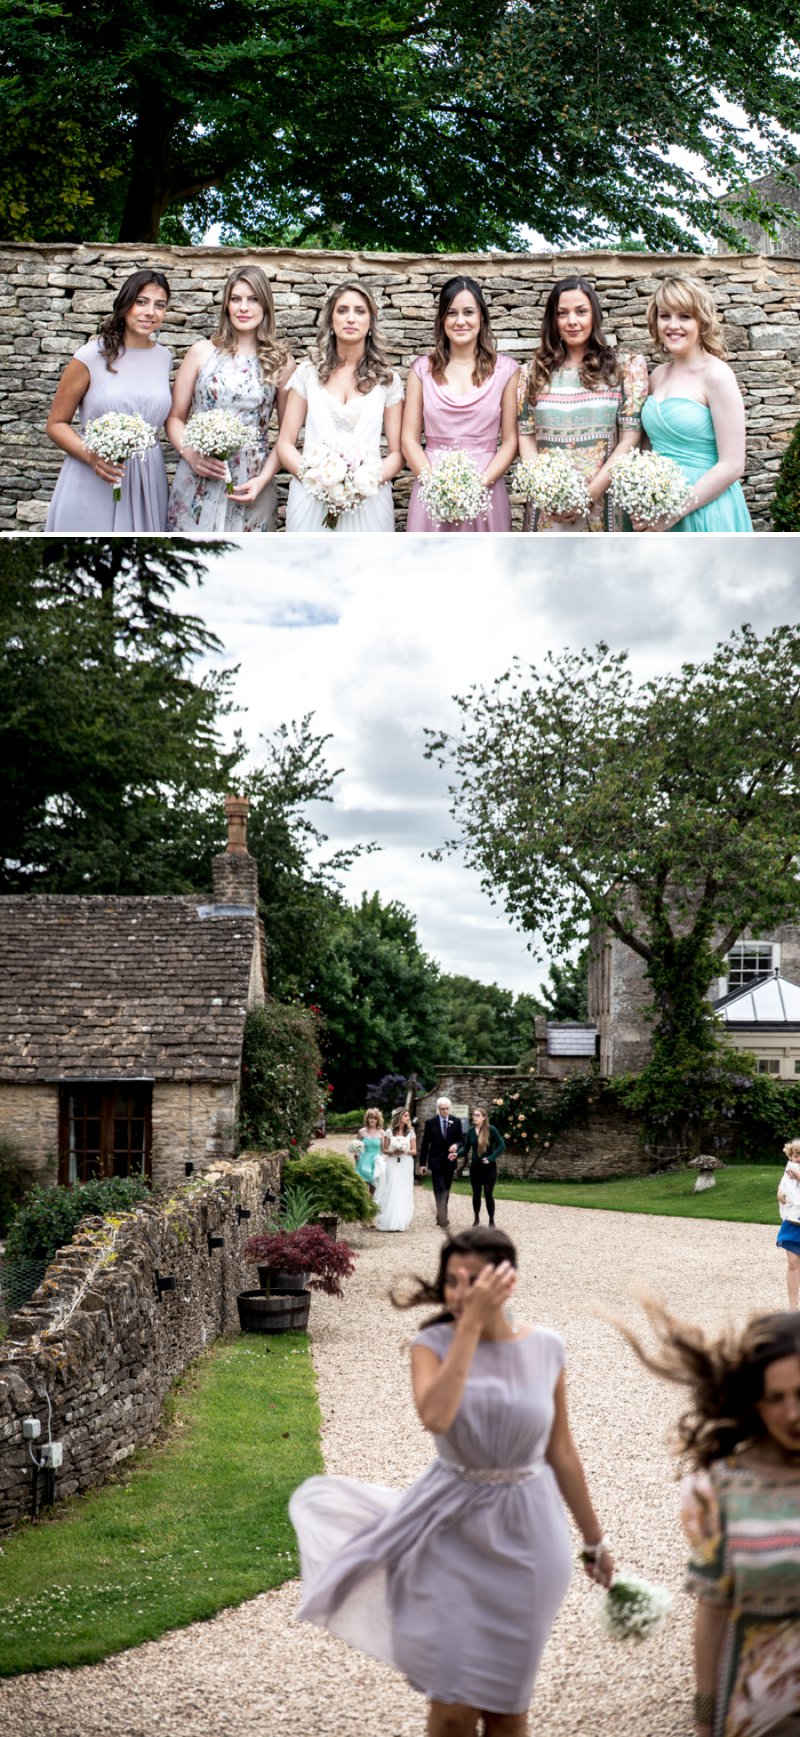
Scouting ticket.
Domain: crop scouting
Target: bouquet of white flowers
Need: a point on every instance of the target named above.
(648, 486)
(552, 482)
(632, 1608)
(340, 478)
(117, 436)
(219, 434)
(453, 490)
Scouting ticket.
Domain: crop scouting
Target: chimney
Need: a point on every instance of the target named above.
(234, 873)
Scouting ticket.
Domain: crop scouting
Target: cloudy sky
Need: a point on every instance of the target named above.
(375, 635)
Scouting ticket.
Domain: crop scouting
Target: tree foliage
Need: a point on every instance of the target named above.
(410, 125)
(485, 1025)
(282, 1083)
(667, 812)
(785, 509)
(111, 759)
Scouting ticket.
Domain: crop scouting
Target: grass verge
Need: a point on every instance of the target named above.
(744, 1195)
(197, 1522)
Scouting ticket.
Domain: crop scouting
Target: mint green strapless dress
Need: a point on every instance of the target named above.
(682, 429)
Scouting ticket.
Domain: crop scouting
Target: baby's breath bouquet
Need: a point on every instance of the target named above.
(453, 491)
(340, 477)
(633, 1608)
(219, 434)
(552, 482)
(648, 486)
(117, 436)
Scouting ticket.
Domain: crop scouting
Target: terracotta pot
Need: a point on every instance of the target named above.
(280, 1312)
(275, 1279)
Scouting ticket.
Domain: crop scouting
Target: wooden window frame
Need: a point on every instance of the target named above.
(106, 1090)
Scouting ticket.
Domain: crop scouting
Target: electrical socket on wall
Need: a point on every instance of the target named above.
(31, 1429)
(52, 1455)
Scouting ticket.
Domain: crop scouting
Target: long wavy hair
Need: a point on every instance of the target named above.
(724, 1376)
(486, 349)
(374, 369)
(492, 1245)
(483, 1135)
(682, 294)
(397, 1119)
(111, 335)
(600, 365)
(272, 356)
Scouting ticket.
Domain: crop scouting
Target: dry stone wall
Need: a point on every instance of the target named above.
(53, 296)
(98, 1340)
(608, 1143)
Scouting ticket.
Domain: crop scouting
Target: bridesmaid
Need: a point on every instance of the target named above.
(242, 368)
(580, 397)
(464, 395)
(123, 369)
(345, 394)
(695, 413)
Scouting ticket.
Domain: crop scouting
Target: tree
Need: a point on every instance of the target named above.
(668, 812)
(411, 125)
(564, 995)
(111, 761)
(785, 509)
(486, 1026)
(381, 999)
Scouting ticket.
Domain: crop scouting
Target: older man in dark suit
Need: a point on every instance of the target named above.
(441, 1139)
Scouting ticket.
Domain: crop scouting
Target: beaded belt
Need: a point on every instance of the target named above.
(495, 1474)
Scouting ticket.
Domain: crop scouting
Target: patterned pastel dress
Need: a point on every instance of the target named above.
(743, 1524)
(589, 425)
(201, 503)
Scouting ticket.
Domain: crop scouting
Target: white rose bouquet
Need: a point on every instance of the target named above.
(453, 491)
(648, 486)
(552, 482)
(340, 478)
(219, 434)
(633, 1608)
(118, 436)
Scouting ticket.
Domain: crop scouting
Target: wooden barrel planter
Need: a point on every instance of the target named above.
(278, 1312)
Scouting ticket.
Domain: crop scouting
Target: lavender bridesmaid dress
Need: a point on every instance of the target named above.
(139, 384)
(456, 1581)
(471, 423)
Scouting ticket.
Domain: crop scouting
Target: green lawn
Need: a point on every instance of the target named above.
(744, 1193)
(196, 1523)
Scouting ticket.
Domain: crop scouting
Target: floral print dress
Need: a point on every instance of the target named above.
(201, 503)
(588, 424)
(743, 1526)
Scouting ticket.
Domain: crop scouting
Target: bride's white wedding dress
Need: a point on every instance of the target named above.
(359, 423)
(394, 1185)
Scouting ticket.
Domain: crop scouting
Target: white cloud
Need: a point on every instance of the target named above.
(375, 635)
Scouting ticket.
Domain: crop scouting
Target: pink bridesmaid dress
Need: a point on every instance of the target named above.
(471, 423)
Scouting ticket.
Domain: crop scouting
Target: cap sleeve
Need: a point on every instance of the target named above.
(299, 379)
(395, 391)
(635, 387)
(435, 1338)
(702, 1517)
(508, 366)
(89, 354)
(421, 366)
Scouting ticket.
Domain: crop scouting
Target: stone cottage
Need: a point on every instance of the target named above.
(122, 1020)
(767, 1025)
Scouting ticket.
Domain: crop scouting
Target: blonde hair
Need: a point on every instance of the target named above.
(272, 356)
(791, 1151)
(378, 1114)
(687, 295)
(374, 368)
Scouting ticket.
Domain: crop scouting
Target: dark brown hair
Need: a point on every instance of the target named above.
(492, 1245)
(112, 331)
(599, 366)
(725, 1377)
(486, 349)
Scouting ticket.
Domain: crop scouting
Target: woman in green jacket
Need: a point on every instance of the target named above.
(483, 1146)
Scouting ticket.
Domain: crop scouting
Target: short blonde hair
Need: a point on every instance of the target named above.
(791, 1150)
(682, 294)
(378, 1114)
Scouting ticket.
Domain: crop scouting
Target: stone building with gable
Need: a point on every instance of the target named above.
(122, 1021)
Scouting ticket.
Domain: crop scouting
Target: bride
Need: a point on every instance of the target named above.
(394, 1185)
(348, 395)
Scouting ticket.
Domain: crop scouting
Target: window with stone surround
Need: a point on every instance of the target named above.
(105, 1130)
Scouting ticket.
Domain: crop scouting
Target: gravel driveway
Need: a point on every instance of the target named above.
(253, 1671)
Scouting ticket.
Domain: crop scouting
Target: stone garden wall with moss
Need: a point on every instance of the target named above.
(99, 1341)
(53, 296)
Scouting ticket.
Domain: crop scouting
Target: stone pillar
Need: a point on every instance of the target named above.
(234, 873)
